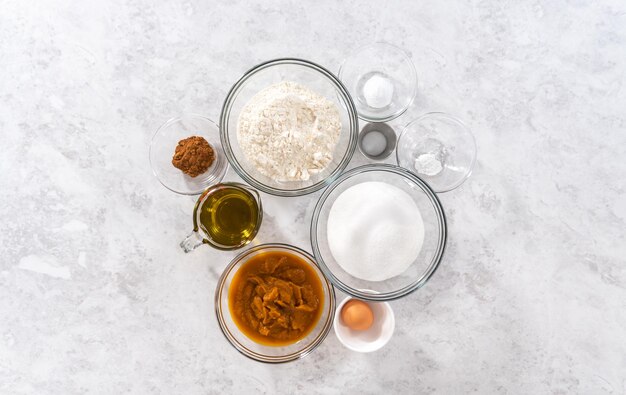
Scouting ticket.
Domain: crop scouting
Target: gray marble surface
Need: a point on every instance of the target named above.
(96, 296)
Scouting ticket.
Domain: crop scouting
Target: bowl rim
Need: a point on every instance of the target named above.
(223, 166)
(408, 289)
(458, 122)
(257, 356)
(407, 55)
(347, 103)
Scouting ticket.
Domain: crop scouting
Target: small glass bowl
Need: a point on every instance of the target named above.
(317, 79)
(447, 144)
(435, 234)
(260, 352)
(381, 79)
(163, 146)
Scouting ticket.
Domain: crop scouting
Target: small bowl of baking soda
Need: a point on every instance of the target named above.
(439, 148)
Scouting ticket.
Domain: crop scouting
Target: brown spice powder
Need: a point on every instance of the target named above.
(193, 156)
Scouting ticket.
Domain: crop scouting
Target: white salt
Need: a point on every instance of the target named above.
(375, 231)
(378, 91)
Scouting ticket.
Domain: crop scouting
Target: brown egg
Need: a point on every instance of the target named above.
(357, 315)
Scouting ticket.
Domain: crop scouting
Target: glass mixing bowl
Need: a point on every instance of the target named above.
(164, 144)
(260, 352)
(420, 270)
(439, 148)
(381, 79)
(305, 73)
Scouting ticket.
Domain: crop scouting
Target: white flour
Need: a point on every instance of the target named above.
(375, 231)
(289, 132)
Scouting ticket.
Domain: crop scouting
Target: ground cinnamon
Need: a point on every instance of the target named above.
(193, 156)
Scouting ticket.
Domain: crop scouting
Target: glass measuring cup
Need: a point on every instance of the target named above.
(226, 216)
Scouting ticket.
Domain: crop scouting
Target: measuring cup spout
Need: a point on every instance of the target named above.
(192, 241)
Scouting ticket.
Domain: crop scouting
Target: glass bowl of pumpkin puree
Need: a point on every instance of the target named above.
(273, 303)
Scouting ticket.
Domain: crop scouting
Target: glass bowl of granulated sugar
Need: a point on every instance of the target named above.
(378, 232)
(288, 127)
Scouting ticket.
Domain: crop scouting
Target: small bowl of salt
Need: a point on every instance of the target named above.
(382, 80)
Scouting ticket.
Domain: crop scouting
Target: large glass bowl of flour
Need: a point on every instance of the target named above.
(307, 124)
(378, 232)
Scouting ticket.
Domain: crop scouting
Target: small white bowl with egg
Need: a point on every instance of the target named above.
(375, 336)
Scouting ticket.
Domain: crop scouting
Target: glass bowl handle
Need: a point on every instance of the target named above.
(192, 241)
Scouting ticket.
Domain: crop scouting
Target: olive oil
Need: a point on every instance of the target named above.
(230, 216)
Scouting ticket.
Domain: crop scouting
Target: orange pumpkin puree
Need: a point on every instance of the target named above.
(276, 298)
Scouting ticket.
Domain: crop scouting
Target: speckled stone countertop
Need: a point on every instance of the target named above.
(96, 296)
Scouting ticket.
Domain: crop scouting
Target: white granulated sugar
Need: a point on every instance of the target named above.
(375, 231)
(288, 132)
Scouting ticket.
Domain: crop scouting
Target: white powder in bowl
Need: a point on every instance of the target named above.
(288, 132)
(375, 231)
(378, 91)
(428, 164)
(374, 143)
